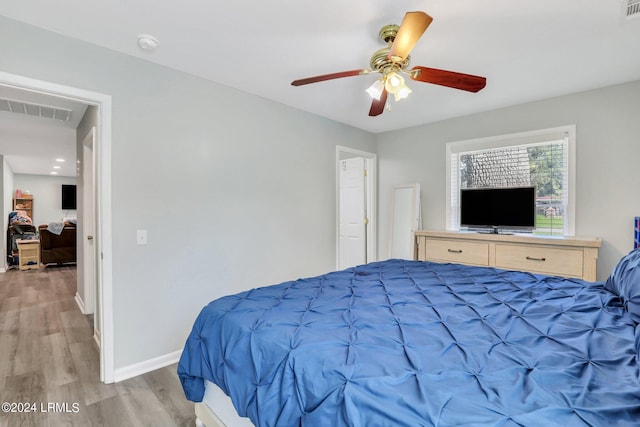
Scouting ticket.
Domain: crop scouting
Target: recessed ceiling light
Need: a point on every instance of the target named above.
(57, 167)
(54, 173)
(147, 42)
(60, 160)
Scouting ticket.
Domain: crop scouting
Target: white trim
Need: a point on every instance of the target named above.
(80, 303)
(571, 201)
(519, 138)
(3, 270)
(103, 225)
(447, 188)
(143, 367)
(371, 163)
(103, 232)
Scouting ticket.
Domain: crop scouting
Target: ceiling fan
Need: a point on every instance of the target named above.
(393, 61)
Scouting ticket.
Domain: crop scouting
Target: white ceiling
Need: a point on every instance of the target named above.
(527, 50)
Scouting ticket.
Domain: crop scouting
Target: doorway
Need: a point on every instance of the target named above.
(102, 194)
(356, 191)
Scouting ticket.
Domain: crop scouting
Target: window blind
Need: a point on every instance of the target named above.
(541, 160)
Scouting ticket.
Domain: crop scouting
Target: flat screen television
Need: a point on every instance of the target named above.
(495, 209)
(68, 196)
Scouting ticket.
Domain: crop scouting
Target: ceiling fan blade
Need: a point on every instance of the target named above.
(331, 76)
(452, 79)
(413, 26)
(377, 106)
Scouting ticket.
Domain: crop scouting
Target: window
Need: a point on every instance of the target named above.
(544, 159)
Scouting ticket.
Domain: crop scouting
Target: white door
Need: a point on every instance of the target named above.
(352, 213)
(88, 225)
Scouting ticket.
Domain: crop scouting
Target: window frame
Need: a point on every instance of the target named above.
(515, 139)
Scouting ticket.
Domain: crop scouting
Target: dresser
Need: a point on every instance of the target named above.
(556, 256)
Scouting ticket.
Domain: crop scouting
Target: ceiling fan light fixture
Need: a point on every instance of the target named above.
(402, 93)
(393, 60)
(393, 82)
(375, 90)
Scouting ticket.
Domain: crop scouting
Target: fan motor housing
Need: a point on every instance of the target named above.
(381, 62)
(388, 33)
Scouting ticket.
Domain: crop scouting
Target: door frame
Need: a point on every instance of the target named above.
(371, 191)
(102, 191)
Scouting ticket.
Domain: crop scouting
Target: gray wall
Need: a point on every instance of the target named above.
(235, 191)
(6, 205)
(607, 153)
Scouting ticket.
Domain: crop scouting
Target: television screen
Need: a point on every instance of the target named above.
(498, 208)
(68, 196)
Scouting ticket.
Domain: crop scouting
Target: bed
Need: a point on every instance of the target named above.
(415, 343)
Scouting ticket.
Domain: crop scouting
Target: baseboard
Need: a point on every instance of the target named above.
(140, 368)
(80, 303)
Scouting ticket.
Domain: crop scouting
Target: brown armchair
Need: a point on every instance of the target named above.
(57, 249)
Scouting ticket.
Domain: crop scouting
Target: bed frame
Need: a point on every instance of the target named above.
(216, 410)
(205, 417)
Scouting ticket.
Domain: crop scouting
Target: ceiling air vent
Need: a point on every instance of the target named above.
(633, 9)
(35, 110)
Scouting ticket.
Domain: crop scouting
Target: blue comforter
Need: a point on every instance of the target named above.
(410, 343)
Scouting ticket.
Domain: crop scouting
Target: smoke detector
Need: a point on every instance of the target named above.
(147, 42)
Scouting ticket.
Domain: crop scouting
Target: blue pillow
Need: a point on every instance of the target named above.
(624, 281)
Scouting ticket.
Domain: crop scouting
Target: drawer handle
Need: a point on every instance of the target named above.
(536, 259)
(455, 251)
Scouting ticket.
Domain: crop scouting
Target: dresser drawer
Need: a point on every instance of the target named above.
(553, 261)
(457, 251)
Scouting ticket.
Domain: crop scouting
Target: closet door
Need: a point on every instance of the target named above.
(353, 214)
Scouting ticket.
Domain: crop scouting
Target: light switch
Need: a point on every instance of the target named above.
(141, 237)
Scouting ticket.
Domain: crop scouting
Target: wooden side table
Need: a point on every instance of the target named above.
(28, 254)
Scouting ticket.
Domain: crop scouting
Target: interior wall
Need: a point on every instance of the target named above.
(3, 249)
(6, 204)
(607, 152)
(47, 196)
(235, 191)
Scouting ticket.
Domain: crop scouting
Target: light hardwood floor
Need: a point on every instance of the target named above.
(48, 356)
